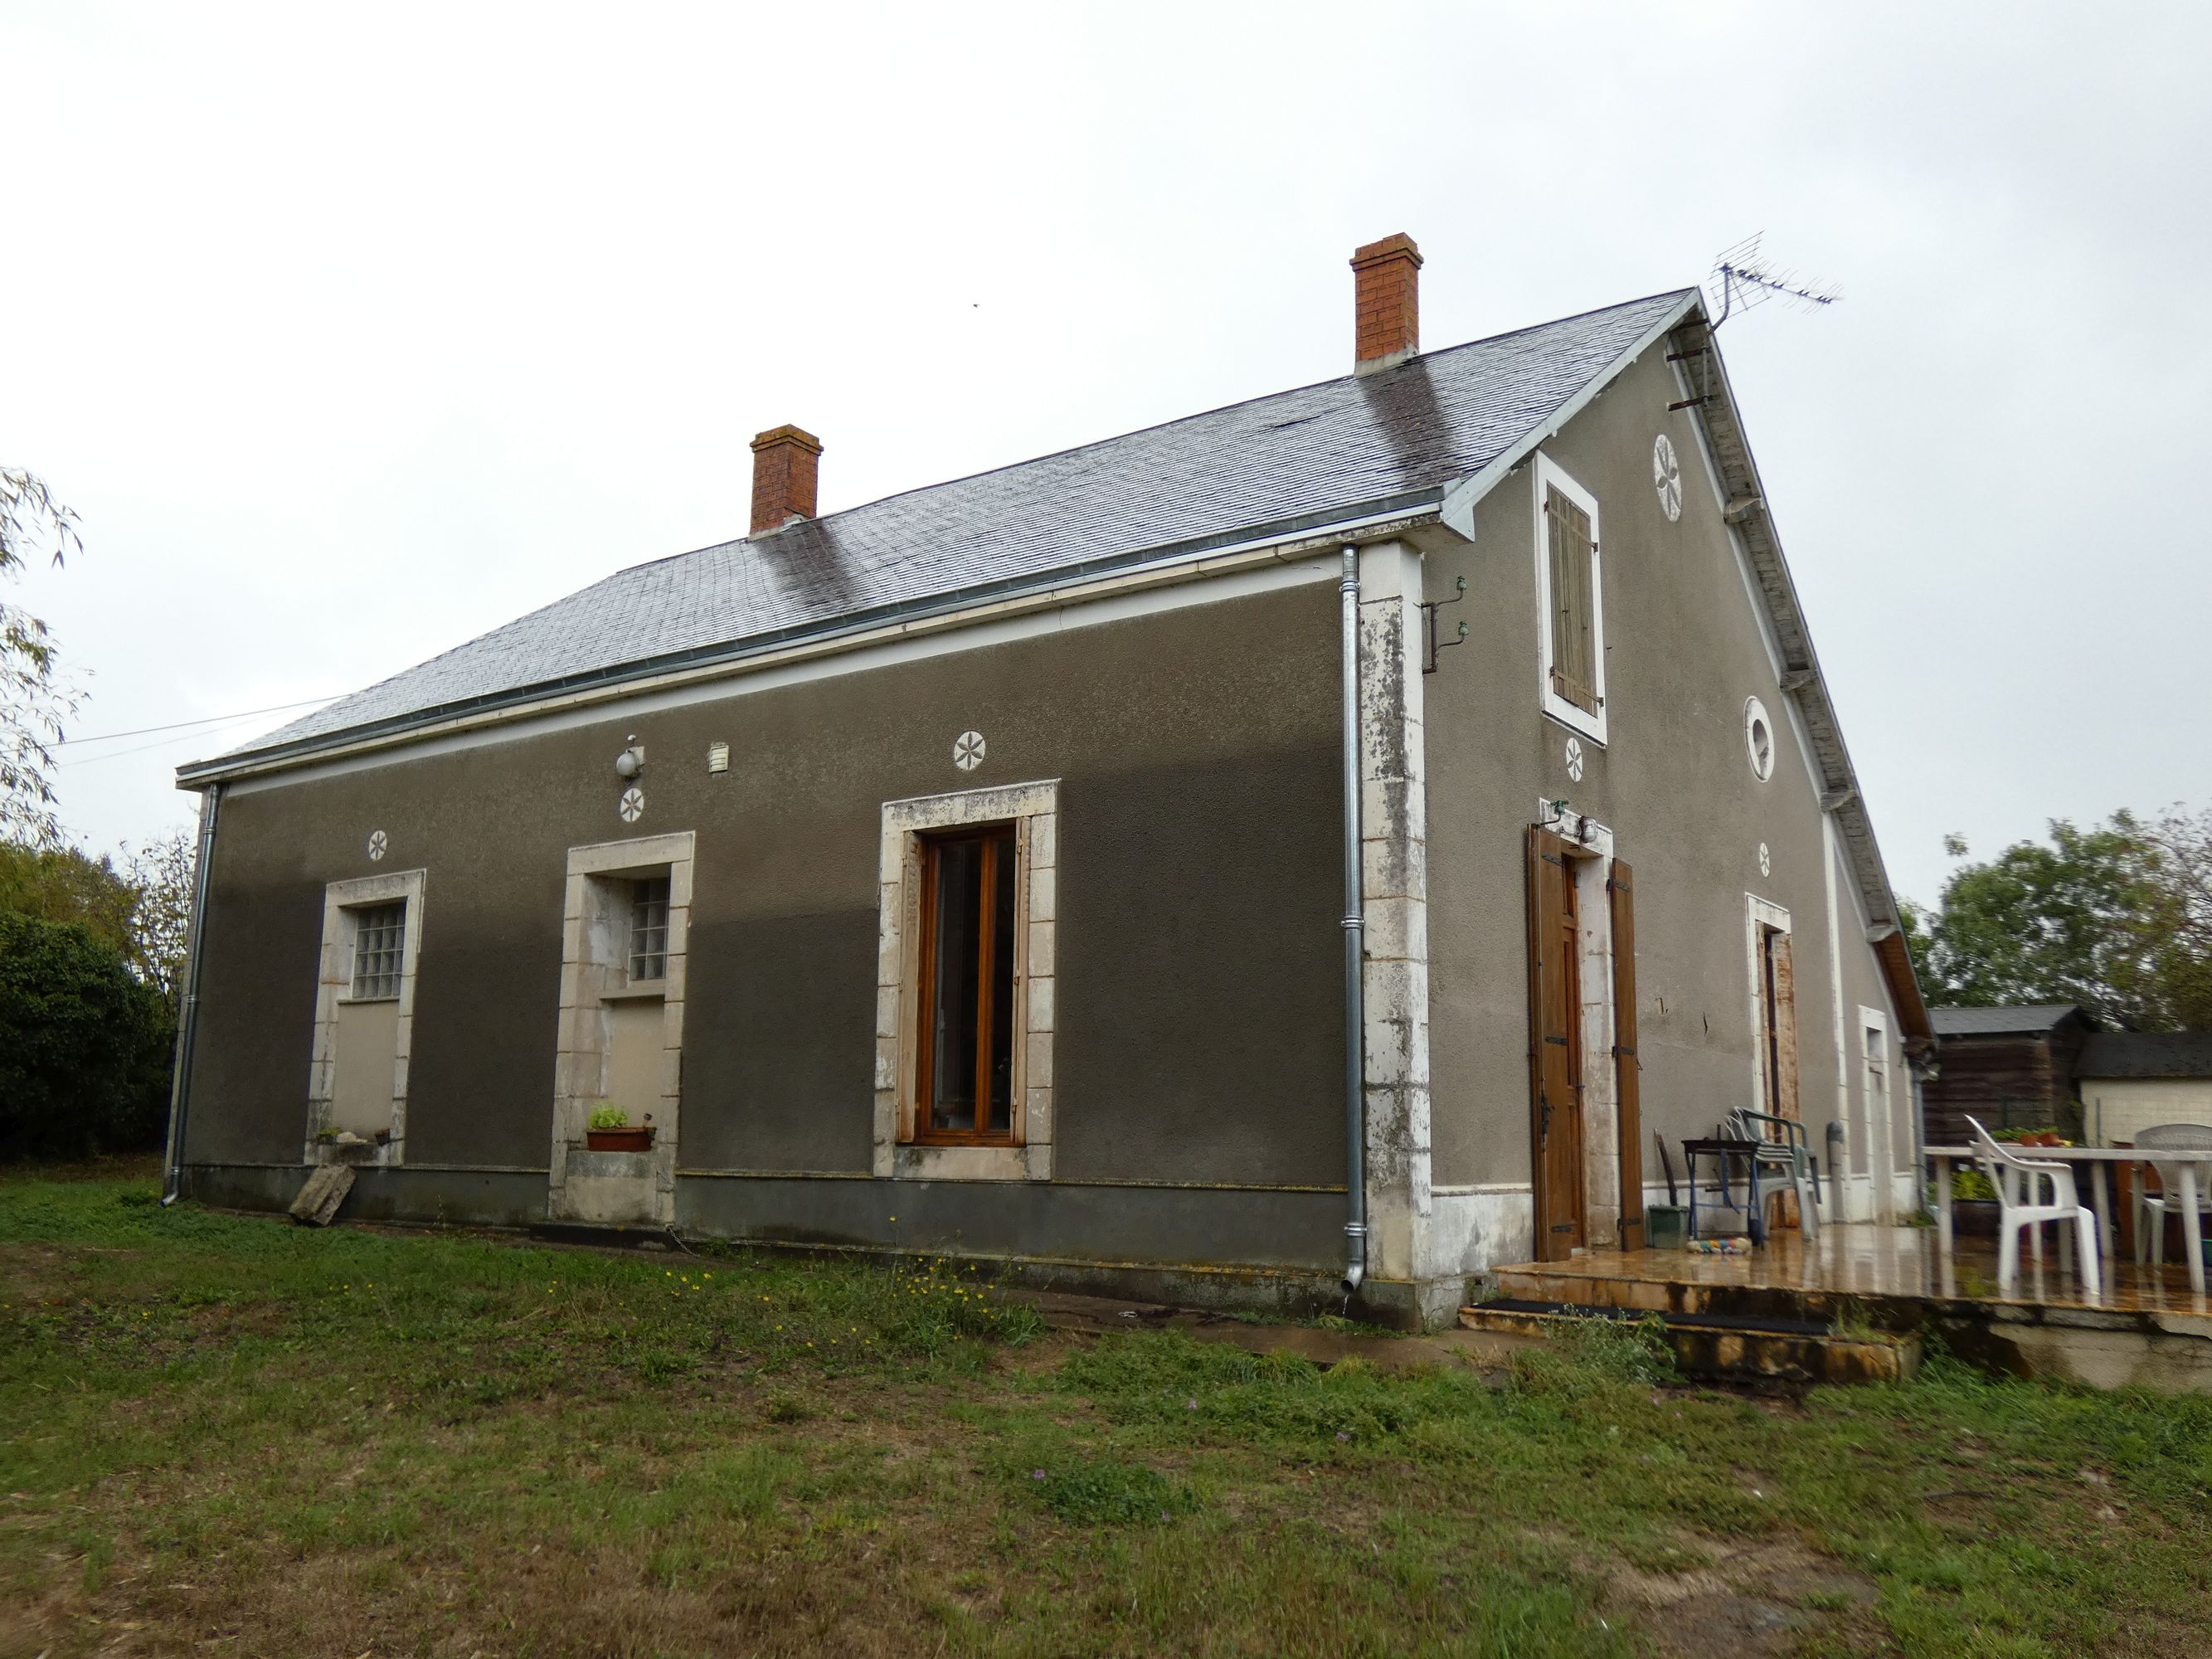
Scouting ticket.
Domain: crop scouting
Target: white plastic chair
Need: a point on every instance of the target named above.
(2152, 1209)
(2019, 1183)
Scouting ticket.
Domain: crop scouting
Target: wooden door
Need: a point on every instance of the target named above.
(1779, 1045)
(1555, 1056)
(1778, 995)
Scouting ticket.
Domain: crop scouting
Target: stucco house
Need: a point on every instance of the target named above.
(1113, 865)
(2131, 1081)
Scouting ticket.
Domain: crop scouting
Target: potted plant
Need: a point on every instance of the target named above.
(610, 1130)
(1973, 1205)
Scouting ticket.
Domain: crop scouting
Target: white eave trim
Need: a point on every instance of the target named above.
(1282, 547)
(1458, 509)
(1751, 522)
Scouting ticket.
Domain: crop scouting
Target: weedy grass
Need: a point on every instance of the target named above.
(229, 1433)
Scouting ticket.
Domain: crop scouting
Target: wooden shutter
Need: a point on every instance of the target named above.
(1574, 653)
(1555, 1156)
(1620, 889)
(1782, 984)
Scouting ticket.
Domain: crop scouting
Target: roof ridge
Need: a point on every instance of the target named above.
(1185, 481)
(1162, 426)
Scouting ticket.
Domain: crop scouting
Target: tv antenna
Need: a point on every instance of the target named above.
(1748, 279)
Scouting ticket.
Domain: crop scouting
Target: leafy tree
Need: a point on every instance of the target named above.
(2099, 917)
(162, 871)
(59, 883)
(84, 1044)
(141, 912)
(33, 702)
(2182, 840)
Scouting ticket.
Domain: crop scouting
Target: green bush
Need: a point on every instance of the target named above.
(84, 1045)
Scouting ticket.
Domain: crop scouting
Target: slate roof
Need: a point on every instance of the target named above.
(2021, 1020)
(1314, 455)
(2147, 1054)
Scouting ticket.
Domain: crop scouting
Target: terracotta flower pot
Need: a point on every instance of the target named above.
(619, 1141)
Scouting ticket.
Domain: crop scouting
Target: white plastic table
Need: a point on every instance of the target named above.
(2099, 1180)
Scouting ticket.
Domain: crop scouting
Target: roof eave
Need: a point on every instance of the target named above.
(1392, 514)
(1460, 499)
(1714, 407)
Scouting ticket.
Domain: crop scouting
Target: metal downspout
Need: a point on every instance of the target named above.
(188, 1014)
(1355, 1115)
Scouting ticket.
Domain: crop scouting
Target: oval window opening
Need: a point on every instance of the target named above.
(1758, 738)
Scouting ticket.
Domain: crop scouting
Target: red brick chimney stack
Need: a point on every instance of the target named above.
(786, 461)
(1386, 303)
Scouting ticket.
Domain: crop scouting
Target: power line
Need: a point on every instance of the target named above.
(211, 719)
(141, 748)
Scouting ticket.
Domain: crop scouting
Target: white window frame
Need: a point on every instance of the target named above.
(1034, 810)
(1878, 1172)
(343, 901)
(1549, 475)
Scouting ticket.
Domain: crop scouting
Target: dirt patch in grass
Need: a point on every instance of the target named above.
(1765, 1598)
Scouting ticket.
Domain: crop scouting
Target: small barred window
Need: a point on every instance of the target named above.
(379, 939)
(648, 929)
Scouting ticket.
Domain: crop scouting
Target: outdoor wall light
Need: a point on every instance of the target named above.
(631, 761)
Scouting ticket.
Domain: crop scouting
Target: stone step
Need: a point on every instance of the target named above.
(608, 1236)
(1731, 1348)
(1822, 1308)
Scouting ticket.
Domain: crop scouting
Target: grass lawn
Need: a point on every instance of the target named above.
(231, 1434)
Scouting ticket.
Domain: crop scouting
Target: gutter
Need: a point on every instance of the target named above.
(188, 1012)
(1355, 1020)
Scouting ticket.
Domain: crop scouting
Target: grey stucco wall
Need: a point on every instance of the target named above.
(1200, 1035)
(1684, 649)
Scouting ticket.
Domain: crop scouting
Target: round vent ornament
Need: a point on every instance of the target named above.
(377, 844)
(1667, 475)
(632, 805)
(1757, 738)
(967, 751)
(1574, 759)
(1765, 860)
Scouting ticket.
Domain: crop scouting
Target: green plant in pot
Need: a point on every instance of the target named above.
(610, 1130)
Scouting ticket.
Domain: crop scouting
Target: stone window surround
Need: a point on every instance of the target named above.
(1034, 810)
(579, 1072)
(334, 985)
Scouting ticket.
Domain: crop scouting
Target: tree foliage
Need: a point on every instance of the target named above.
(162, 871)
(140, 912)
(34, 699)
(84, 1044)
(2117, 918)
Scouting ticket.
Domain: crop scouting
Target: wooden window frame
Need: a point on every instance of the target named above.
(999, 840)
(1549, 475)
(900, 1152)
(1771, 1093)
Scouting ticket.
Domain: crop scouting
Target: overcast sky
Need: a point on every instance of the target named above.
(354, 332)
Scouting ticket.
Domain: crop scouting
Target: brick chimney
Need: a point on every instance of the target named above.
(1386, 303)
(784, 462)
